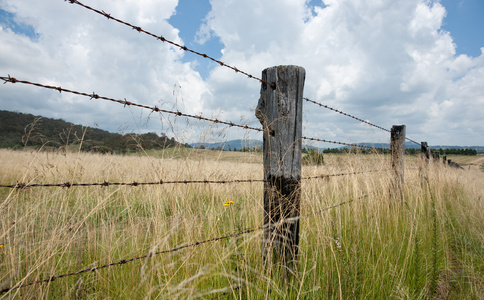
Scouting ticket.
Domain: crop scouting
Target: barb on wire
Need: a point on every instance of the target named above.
(125, 102)
(345, 114)
(163, 39)
(21, 185)
(151, 254)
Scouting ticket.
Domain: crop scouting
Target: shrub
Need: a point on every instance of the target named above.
(313, 157)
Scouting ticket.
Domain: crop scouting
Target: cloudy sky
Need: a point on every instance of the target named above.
(413, 62)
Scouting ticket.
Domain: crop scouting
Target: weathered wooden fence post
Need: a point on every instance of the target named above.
(280, 113)
(397, 144)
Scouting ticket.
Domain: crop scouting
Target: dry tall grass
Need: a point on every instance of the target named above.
(372, 248)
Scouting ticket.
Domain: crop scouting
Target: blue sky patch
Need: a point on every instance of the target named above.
(313, 3)
(465, 22)
(190, 14)
(7, 19)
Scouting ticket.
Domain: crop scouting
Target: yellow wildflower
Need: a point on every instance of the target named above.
(228, 203)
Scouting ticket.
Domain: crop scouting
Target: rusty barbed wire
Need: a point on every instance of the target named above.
(448, 281)
(341, 174)
(175, 249)
(135, 183)
(408, 139)
(358, 119)
(125, 261)
(20, 185)
(126, 103)
(163, 39)
(345, 114)
(339, 143)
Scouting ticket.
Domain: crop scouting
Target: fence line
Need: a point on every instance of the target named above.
(175, 249)
(163, 39)
(177, 113)
(20, 185)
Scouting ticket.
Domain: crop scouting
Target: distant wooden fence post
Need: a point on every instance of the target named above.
(436, 156)
(424, 162)
(425, 151)
(280, 113)
(397, 144)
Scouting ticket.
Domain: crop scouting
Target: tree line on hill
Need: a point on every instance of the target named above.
(19, 130)
(463, 151)
(344, 150)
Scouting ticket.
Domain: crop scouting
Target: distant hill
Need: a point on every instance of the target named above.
(18, 130)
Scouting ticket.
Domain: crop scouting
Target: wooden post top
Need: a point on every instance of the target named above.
(280, 112)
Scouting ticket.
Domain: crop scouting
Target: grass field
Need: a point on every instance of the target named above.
(430, 247)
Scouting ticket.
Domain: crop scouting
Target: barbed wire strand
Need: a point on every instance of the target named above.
(163, 39)
(345, 114)
(135, 183)
(339, 143)
(446, 282)
(20, 185)
(358, 119)
(125, 261)
(156, 109)
(342, 174)
(125, 102)
(408, 139)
